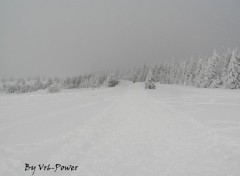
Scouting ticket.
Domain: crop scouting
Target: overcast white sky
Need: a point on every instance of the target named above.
(56, 37)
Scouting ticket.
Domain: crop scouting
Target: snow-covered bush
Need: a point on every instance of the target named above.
(4, 87)
(111, 81)
(38, 85)
(54, 88)
(13, 88)
(149, 83)
(24, 89)
(102, 79)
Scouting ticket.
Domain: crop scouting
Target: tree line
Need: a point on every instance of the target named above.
(93, 80)
(213, 72)
(217, 71)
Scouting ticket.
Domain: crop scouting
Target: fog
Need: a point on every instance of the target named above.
(61, 38)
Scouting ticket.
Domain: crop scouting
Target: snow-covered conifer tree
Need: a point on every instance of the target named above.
(201, 73)
(49, 82)
(211, 70)
(183, 76)
(226, 60)
(149, 82)
(173, 72)
(233, 72)
(142, 74)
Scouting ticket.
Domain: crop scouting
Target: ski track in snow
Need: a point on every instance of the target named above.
(124, 131)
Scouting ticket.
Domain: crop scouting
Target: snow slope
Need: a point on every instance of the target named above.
(125, 130)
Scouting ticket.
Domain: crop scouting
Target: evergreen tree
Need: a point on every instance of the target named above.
(233, 72)
(143, 73)
(226, 61)
(173, 73)
(149, 82)
(183, 76)
(210, 73)
(49, 82)
(201, 74)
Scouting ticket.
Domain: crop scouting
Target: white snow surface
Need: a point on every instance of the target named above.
(122, 131)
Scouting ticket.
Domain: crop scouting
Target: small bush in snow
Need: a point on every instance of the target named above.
(111, 81)
(24, 89)
(54, 88)
(12, 88)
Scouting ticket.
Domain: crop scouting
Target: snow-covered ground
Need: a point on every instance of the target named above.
(125, 130)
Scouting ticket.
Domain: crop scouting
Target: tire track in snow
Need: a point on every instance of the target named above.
(140, 136)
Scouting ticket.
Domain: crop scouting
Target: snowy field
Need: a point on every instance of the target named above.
(126, 130)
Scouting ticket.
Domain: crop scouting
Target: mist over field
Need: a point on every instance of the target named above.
(66, 38)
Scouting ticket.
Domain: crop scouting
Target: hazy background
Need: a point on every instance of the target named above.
(59, 38)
